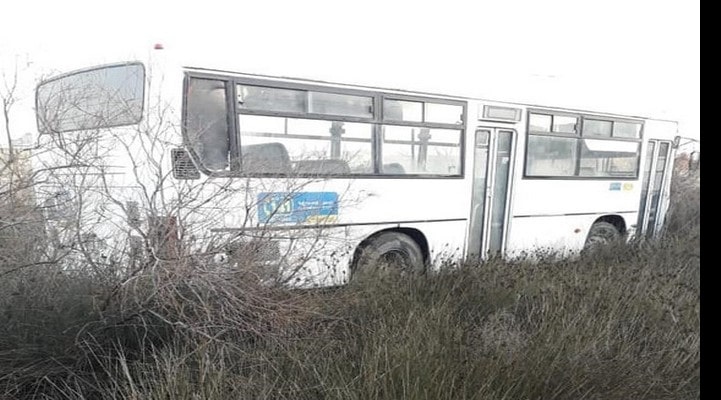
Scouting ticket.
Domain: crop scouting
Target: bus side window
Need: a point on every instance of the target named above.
(206, 122)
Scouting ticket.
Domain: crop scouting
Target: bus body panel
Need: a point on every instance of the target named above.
(133, 170)
(562, 235)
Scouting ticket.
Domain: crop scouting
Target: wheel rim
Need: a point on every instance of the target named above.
(594, 241)
(603, 237)
(395, 258)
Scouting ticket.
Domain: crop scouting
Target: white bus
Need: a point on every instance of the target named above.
(318, 180)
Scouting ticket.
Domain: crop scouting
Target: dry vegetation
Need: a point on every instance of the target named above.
(621, 324)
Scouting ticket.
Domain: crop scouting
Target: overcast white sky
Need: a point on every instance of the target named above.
(638, 57)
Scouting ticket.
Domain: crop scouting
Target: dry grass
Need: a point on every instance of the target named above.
(621, 324)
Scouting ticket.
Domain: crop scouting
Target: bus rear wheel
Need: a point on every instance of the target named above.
(390, 252)
(602, 234)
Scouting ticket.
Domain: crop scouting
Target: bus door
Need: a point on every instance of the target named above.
(492, 172)
(656, 173)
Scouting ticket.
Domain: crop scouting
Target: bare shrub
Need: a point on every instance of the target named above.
(684, 214)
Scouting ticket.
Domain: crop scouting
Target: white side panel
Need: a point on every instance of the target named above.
(566, 234)
(558, 197)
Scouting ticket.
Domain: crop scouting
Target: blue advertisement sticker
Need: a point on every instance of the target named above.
(300, 207)
(614, 186)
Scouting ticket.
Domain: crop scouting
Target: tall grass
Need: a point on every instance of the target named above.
(615, 324)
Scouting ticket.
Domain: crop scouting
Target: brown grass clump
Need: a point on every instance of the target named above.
(619, 324)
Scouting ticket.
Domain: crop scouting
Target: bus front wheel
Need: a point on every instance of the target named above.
(390, 251)
(602, 234)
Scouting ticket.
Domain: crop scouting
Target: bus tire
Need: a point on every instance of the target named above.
(393, 250)
(602, 234)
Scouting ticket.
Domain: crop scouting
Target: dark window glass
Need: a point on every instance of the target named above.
(592, 127)
(398, 110)
(425, 151)
(627, 130)
(551, 156)
(609, 158)
(260, 98)
(340, 104)
(301, 146)
(563, 124)
(539, 123)
(206, 122)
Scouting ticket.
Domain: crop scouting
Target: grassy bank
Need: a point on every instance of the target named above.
(618, 324)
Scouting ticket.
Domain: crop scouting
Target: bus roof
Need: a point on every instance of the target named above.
(212, 71)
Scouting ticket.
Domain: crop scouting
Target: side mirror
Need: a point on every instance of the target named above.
(676, 142)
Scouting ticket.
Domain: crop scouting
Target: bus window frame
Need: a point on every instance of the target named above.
(581, 117)
(235, 166)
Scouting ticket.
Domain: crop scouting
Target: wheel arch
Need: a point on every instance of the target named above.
(614, 219)
(413, 233)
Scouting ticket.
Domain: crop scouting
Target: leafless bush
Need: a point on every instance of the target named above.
(106, 259)
(684, 214)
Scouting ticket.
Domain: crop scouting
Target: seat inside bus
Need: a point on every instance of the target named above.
(266, 157)
(394, 169)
